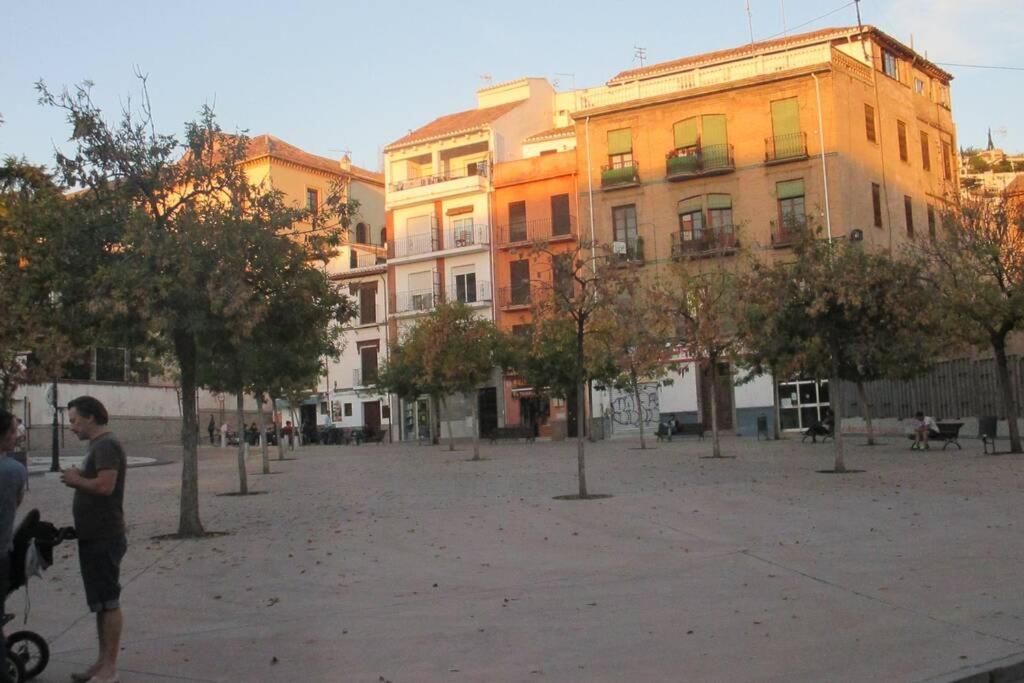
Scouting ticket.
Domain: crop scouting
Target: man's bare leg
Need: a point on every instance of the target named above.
(108, 625)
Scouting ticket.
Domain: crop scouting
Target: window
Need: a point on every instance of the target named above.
(353, 259)
(787, 140)
(792, 212)
(931, 221)
(421, 293)
(312, 200)
(462, 232)
(890, 65)
(472, 168)
(686, 136)
(691, 219)
(876, 203)
(901, 132)
(620, 148)
(348, 410)
(926, 157)
(367, 303)
(561, 223)
(869, 122)
(522, 331)
(624, 222)
(561, 266)
(947, 161)
(368, 361)
(362, 233)
(918, 86)
(465, 287)
(908, 206)
(519, 277)
(720, 213)
(385, 412)
(516, 221)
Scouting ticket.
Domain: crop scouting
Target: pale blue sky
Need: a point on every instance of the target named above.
(355, 75)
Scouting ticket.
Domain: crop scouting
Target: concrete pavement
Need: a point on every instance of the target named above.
(406, 563)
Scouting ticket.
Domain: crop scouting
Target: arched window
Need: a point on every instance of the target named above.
(362, 233)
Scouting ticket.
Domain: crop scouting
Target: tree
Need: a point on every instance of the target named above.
(169, 199)
(637, 337)
(976, 267)
(701, 302)
(978, 164)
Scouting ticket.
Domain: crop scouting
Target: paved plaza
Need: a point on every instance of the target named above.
(407, 563)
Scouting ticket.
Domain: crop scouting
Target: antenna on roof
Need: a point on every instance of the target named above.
(750, 23)
(782, 9)
(640, 53)
(486, 78)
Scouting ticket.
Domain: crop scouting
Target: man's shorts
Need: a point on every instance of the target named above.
(100, 561)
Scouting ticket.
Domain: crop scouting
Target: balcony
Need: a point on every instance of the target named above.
(517, 296)
(476, 235)
(779, 149)
(790, 231)
(704, 243)
(428, 188)
(413, 245)
(477, 294)
(538, 230)
(629, 250)
(366, 260)
(465, 238)
(416, 300)
(616, 176)
(364, 379)
(694, 162)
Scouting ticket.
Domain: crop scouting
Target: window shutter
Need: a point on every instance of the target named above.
(685, 132)
(690, 204)
(713, 132)
(790, 189)
(719, 201)
(785, 117)
(620, 141)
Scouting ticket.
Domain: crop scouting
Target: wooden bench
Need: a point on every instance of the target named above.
(949, 433)
(515, 432)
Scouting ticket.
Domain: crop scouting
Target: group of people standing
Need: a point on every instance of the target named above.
(98, 512)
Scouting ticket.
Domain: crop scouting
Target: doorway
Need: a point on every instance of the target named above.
(487, 410)
(371, 416)
(723, 389)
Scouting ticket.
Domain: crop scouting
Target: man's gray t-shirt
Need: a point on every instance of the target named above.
(101, 516)
(13, 478)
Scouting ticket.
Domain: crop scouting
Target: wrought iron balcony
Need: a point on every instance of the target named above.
(704, 242)
(479, 292)
(790, 230)
(477, 234)
(479, 169)
(614, 176)
(693, 162)
(781, 148)
(415, 300)
(541, 229)
(631, 249)
(516, 296)
(364, 379)
(411, 245)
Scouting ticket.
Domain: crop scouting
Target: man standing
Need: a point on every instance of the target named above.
(13, 478)
(99, 520)
(211, 428)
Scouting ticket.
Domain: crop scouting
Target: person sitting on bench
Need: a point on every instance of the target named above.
(822, 427)
(924, 428)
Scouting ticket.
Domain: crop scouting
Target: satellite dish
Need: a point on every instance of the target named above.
(856, 235)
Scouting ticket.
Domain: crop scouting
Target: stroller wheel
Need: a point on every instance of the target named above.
(30, 651)
(15, 671)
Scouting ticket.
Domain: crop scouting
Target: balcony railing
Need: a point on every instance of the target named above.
(410, 183)
(704, 242)
(361, 379)
(619, 175)
(629, 249)
(540, 229)
(479, 292)
(692, 162)
(467, 236)
(517, 296)
(411, 245)
(364, 260)
(789, 231)
(415, 300)
(779, 148)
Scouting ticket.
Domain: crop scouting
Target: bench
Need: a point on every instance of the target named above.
(949, 433)
(515, 432)
(681, 429)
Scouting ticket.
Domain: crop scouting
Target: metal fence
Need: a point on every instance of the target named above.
(952, 389)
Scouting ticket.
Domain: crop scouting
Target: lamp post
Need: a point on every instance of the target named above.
(55, 446)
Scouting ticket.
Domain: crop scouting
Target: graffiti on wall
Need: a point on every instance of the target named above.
(626, 412)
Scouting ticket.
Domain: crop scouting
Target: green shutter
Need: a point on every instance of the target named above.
(620, 141)
(685, 132)
(790, 189)
(785, 117)
(719, 201)
(713, 132)
(690, 205)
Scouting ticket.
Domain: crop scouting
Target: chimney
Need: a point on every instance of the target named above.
(345, 163)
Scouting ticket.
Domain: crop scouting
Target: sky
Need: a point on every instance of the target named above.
(351, 76)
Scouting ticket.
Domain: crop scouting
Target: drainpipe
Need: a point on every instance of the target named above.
(824, 166)
(590, 195)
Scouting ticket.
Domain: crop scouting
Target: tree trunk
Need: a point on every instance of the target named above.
(716, 447)
(188, 515)
(639, 412)
(835, 392)
(448, 421)
(476, 426)
(243, 482)
(435, 422)
(862, 396)
(296, 427)
(777, 417)
(263, 433)
(277, 429)
(581, 417)
(1006, 391)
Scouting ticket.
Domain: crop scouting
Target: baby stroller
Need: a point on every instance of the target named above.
(34, 541)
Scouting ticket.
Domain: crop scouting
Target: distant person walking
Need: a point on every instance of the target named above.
(212, 429)
(13, 479)
(98, 511)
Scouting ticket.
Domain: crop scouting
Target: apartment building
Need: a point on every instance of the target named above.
(842, 130)
(438, 204)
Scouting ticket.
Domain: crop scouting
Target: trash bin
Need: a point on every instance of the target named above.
(762, 426)
(987, 428)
